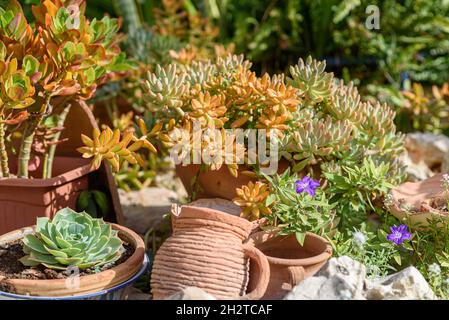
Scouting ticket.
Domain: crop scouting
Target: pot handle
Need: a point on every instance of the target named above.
(263, 273)
(297, 274)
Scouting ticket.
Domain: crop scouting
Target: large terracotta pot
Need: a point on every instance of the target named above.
(290, 263)
(217, 183)
(87, 284)
(23, 200)
(206, 250)
(422, 198)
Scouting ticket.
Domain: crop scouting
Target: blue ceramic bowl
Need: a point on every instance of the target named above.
(115, 293)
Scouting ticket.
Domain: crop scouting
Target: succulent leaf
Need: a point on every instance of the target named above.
(71, 239)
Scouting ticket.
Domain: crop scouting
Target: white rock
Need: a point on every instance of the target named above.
(408, 284)
(191, 293)
(133, 293)
(144, 209)
(340, 279)
(344, 278)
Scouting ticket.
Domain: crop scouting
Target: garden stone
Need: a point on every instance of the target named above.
(191, 293)
(144, 209)
(340, 279)
(133, 293)
(408, 284)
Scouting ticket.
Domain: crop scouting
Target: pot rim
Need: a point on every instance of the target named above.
(52, 182)
(136, 258)
(323, 256)
(202, 213)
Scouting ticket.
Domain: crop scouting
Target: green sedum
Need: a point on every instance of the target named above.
(71, 239)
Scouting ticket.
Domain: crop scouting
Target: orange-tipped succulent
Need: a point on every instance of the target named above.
(252, 198)
(110, 146)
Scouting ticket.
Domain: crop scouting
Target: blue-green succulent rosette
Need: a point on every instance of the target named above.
(72, 239)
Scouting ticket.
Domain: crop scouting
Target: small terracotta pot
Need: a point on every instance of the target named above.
(217, 183)
(422, 197)
(206, 251)
(87, 284)
(289, 262)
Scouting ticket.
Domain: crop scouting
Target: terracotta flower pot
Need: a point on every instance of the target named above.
(216, 183)
(289, 262)
(422, 198)
(206, 250)
(22, 200)
(87, 284)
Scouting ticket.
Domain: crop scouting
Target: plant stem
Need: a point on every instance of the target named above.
(3, 153)
(50, 156)
(25, 147)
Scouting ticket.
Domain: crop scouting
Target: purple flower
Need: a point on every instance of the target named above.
(399, 234)
(306, 184)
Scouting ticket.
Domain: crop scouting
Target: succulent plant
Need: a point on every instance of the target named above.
(71, 239)
(252, 199)
(110, 146)
(322, 125)
(60, 53)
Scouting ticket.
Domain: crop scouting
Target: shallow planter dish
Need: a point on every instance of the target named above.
(290, 263)
(89, 286)
(414, 202)
(206, 251)
(118, 292)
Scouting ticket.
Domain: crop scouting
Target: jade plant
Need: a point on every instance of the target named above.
(71, 239)
(47, 64)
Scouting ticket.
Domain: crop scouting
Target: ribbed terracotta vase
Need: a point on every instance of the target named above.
(290, 263)
(206, 251)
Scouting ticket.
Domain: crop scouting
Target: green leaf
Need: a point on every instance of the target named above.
(33, 243)
(300, 236)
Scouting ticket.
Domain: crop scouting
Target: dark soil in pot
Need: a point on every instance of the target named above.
(12, 268)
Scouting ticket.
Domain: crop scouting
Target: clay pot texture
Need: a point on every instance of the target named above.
(206, 251)
(87, 284)
(422, 196)
(23, 200)
(217, 183)
(290, 263)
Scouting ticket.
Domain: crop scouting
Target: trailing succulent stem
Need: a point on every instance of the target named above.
(50, 156)
(25, 146)
(3, 153)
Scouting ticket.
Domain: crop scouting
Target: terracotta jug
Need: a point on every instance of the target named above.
(206, 251)
(290, 263)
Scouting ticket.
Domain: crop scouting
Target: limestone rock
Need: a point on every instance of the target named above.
(344, 278)
(191, 293)
(340, 279)
(408, 284)
(133, 293)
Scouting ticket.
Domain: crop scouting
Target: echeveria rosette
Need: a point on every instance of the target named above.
(71, 239)
(399, 234)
